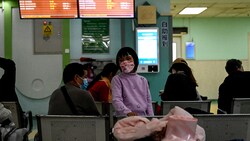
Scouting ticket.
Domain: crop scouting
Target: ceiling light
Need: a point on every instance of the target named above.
(192, 10)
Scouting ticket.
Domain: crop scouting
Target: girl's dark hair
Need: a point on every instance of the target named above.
(125, 51)
(186, 69)
(71, 70)
(107, 69)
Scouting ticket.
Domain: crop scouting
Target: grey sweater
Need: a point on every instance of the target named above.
(81, 99)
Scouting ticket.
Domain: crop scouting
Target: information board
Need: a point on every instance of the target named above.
(106, 8)
(31, 9)
(95, 36)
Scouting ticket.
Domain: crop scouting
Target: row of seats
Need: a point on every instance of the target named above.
(98, 128)
(90, 128)
(239, 106)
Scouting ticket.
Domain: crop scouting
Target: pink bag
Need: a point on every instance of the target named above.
(180, 128)
(179, 125)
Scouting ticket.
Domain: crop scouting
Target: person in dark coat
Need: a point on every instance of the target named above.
(8, 80)
(235, 85)
(7, 85)
(181, 84)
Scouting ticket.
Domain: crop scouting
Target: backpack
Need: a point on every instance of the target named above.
(11, 133)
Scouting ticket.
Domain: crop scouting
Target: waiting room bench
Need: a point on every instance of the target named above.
(225, 127)
(241, 106)
(166, 106)
(221, 127)
(72, 128)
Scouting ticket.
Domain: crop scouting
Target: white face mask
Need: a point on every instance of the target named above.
(127, 66)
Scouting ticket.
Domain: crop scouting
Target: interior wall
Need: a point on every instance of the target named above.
(216, 38)
(209, 75)
(37, 76)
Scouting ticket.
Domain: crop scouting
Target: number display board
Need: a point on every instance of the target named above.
(32, 9)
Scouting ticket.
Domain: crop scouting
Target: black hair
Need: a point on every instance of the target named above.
(233, 65)
(186, 69)
(71, 70)
(107, 70)
(125, 51)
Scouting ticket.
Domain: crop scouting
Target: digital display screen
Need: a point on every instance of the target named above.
(106, 8)
(190, 50)
(147, 42)
(31, 9)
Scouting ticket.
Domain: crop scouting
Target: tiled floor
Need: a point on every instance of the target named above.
(214, 106)
(32, 135)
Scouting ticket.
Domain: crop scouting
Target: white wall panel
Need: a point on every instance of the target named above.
(37, 75)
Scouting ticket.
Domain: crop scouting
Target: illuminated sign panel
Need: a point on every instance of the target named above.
(106, 8)
(30, 9)
(147, 47)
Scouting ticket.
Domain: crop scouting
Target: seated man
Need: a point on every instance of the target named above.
(235, 85)
(71, 99)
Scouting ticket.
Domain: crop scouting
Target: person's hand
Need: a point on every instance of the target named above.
(131, 114)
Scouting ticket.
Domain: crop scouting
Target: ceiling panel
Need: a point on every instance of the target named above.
(216, 8)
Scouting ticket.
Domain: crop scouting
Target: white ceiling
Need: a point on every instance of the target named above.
(216, 8)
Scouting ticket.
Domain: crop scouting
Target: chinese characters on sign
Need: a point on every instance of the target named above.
(164, 34)
(95, 36)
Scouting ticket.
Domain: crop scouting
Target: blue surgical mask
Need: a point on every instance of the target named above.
(84, 84)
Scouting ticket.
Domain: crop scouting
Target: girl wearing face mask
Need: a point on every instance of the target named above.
(131, 94)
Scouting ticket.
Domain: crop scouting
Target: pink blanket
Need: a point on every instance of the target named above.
(177, 125)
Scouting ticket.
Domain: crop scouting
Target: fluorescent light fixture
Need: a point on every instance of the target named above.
(192, 10)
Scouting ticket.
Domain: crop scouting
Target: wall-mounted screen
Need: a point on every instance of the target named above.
(39, 9)
(190, 50)
(147, 47)
(106, 8)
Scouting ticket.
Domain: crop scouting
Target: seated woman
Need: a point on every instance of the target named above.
(100, 87)
(181, 84)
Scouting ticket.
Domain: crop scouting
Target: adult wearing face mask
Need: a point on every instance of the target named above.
(130, 91)
(71, 99)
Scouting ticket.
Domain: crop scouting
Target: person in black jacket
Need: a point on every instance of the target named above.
(235, 85)
(8, 80)
(7, 85)
(181, 84)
